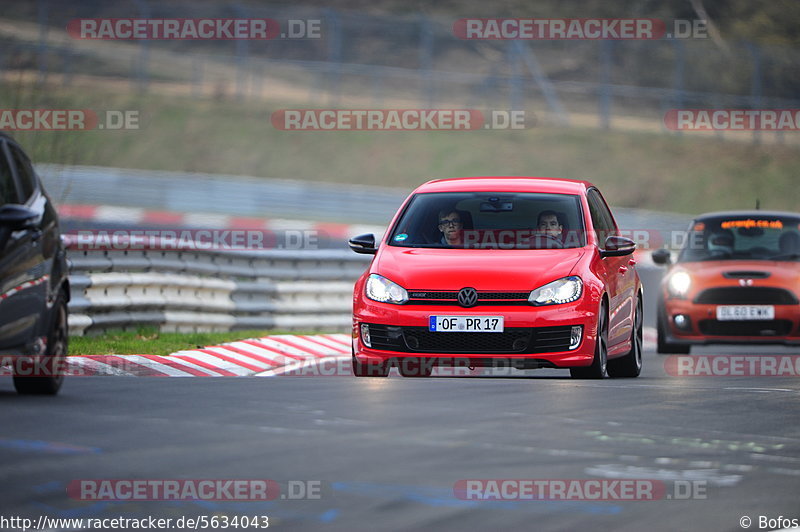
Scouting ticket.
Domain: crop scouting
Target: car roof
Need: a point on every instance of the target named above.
(506, 184)
(736, 214)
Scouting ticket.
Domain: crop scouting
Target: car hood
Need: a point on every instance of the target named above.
(453, 269)
(714, 272)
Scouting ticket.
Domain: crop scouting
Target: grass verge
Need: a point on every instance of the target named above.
(149, 341)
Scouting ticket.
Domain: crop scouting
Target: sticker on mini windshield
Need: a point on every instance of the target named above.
(400, 237)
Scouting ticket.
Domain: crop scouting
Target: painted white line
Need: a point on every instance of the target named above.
(216, 362)
(285, 348)
(343, 339)
(206, 220)
(163, 368)
(108, 213)
(332, 343)
(95, 367)
(182, 362)
(311, 346)
(712, 476)
(279, 359)
(244, 359)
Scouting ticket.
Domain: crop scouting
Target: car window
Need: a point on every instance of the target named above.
(490, 220)
(24, 172)
(8, 190)
(756, 236)
(602, 219)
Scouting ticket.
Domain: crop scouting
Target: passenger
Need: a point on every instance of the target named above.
(789, 243)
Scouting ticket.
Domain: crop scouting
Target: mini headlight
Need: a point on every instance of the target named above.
(678, 284)
(564, 290)
(383, 290)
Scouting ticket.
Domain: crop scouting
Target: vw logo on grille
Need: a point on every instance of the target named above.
(467, 297)
(745, 282)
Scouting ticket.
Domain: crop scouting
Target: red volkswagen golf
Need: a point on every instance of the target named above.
(515, 272)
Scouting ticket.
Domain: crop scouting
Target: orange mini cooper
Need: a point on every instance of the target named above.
(736, 280)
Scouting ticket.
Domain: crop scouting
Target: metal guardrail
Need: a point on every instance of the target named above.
(185, 290)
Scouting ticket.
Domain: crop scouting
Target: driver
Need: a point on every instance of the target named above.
(548, 224)
(720, 244)
(452, 227)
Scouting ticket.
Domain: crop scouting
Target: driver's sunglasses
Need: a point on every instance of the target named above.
(449, 222)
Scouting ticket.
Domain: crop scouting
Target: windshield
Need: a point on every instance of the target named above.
(744, 237)
(490, 220)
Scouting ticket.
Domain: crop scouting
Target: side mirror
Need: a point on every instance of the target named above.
(15, 217)
(364, 244)
(618, 246)
(662, 256)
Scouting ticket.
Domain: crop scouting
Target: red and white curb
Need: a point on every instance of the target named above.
(138, 216)
(255, 356)
(264, 357)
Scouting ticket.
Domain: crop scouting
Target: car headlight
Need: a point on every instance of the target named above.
(383, 290)
(564, 290)
(678, 284)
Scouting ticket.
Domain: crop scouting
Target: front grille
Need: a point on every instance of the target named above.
(746, 275)
(745, 328)
(746, 295)
(424, 297)
(514, 340)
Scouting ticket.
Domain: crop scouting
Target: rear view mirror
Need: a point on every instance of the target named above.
(364, 244)
(618, 246)
(662, 256)
(15, 217)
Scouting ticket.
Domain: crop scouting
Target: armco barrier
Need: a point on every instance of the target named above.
(186, 289)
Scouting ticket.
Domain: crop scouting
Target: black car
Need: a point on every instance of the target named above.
(34, 288)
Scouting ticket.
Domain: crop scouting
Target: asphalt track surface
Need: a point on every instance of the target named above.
(387, 452)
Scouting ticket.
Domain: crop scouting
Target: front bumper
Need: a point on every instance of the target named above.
(517, 317)
(703, 328)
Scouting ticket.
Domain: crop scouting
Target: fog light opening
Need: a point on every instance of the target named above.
(681, 321)
(365, 335)
(575, 335)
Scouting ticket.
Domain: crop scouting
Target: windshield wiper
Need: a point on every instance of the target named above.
(785, 256)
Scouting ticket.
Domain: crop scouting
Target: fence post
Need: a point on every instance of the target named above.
(242, 53)
(142, 66)
(678, 77)
(606, 53)
(755, 84)
(426, 60)
(515, 95)
(334, 66)
(41, 11)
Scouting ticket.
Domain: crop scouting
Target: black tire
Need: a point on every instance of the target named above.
(630, 365)
(57, 348)
(370, 370)
(598, 368)
(666, 348)
(415, 367)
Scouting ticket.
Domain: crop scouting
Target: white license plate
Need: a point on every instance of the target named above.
(745, 312)
(465, 324)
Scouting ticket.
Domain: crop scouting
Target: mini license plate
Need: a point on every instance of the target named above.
(465, 324)
(745, 312)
